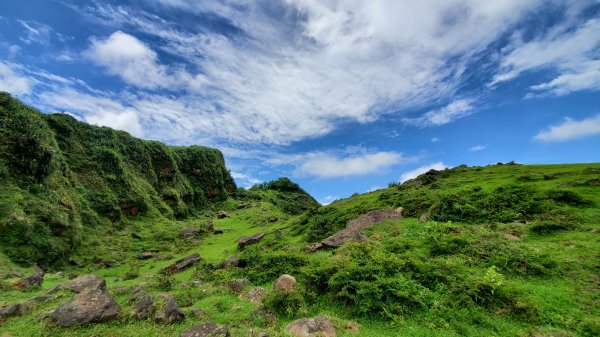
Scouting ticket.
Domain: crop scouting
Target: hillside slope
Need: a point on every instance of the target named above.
(59, 175)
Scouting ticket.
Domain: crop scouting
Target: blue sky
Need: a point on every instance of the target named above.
(341, 96)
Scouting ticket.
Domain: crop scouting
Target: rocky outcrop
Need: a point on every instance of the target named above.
(81, 283)
(285, 283)
(182, 264)
(311, 327)
(353, 228)
(170, 312)
(245, 241)
(206, 330)
(89, 306)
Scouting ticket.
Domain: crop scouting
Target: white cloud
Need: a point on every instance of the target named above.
(13, 82)
(570, 129)
(420, 170)
(436, 139)
(244, 179)
(328, 200)
(35, 32)
(571, 50)
(326, 166)
(478, 148)
(125, 56)
(457, 109)
(297, 75)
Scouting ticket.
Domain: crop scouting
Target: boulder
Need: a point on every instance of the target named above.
(254, 295)
(245, 241)
(11, 310)
(285, 283)
(170, 312)
(353, 228)
(238, 285)
(233, 261)
(273, 219)
(311, 327)
(146, 255)
(188, 233)
(144, 308)
(208, 329)
(243, 205)
(34, 280)
(182, 264)
(222, 215)
(81, 283)
(199, 313)
(218, 231)
(89, 306)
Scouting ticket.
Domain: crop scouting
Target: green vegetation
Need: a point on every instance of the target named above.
(501, 250)
(58, 175)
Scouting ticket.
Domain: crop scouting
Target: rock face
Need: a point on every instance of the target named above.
(245, 241)
(81, 283)
(206, 330)
(311, 327)
(222, 215)
(34, 280)
(182, 264)
(170, 313)
(89, 306)
(10, 310)
(285, 283)
(353, 228)
(188, 232)
(144, 305)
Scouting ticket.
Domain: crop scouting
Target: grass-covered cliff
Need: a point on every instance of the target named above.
(58, 175)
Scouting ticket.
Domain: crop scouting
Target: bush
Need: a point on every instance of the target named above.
(285, 303)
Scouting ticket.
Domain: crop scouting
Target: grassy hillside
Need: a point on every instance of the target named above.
(60, 177)
(502, 250)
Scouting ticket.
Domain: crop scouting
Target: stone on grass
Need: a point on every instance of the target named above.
(89, 306)
(208, 329)
(254, 295)
(231, 262)
(144, 308)
(170, 312)
(285, 283)
(222, 215)
(34, 280)
(188, 232)
(11, 310)
(238, 285)
(182, 264)
(81, 283)
(245, 241)
(311, 327)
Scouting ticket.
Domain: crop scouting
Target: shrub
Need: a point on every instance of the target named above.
(285, 303)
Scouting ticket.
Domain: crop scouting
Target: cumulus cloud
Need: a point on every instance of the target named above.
(457, 109)
(296, 72)
(478, 148)
(244, 179)
(420, 170)
(13, 82)
(570, 129)
(124, 55)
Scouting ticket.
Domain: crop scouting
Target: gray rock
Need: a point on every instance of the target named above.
(218, 231)
(144, 308)
(188, 232)
(285, 283)
(34, 280)
(182, 264)
(81, 283)
(222, 215)
(206, 330)
(10, 310)
(88, 306)
(170, 312)
(245, 241)
(311, 327)
(238, 285)
(233, 261)
(254, 295)
(273, 219)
